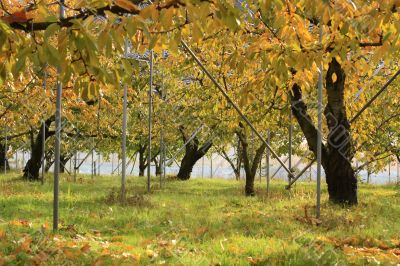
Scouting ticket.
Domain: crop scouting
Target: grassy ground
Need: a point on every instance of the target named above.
(198, 222)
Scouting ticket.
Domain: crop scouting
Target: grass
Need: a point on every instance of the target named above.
(198, 222)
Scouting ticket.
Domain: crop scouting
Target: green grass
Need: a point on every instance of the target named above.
(198, 222)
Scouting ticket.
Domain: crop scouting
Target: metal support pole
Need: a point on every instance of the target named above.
(57, 140)
(75, 164)
(198, 130)
(112, 164)
(123, 144)
(44, 131)
(5, 149)
(92, 160)
(375, 96)
(389, 172)
(202, 167)
(290, 143)
(164, 91)
(279, 168)
(98, 163)
(162, 154)
(244, 117)
(164, 165)
(319, 134)
(124, 127)
(150, 120)
(16, 160)
(211, 167)
(268, 161)
(43, 149)
(134, 162)
(118, 164)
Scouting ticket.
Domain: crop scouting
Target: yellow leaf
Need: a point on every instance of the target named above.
(85, 248)
(127, 5)
(69, 254)
(334, 77)
(150, 253)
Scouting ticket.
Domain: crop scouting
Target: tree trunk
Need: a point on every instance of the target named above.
(3, 157)
(337, 153)
(235, 165)
(62, 166)
(192, 154)
(32, 167)
(49, 157)
(158, 166)
(187, 163)
(142, 160)
(63, 162)
(250, 164)
(239, 160)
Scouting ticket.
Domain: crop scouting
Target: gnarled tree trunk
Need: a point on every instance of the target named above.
(157, 163)
(142, 160)
(3, 157)
(235, 163)
(193, 153)
(32, 167)
(49, 157)
(63, 162)
(250, 164)
(337, 152)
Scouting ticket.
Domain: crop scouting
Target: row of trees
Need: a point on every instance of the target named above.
(265, 54)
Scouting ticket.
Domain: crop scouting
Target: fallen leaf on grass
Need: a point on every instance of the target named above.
(24, 245)
(70, 253)
(40, 258)
(151, 254)
(395, 242)
(254, 260)
(96, 232)
(85, 248)
(2, 234)
(21, 223)
(201, 231)
(163, 243)
(44, 227)
(117, 239)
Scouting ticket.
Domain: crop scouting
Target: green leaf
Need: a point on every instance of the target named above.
(50, 31)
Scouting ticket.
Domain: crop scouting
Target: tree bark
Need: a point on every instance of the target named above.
(49, 157)
(337, 153)
(158, 166)
(63, 162)
(32, 167)
(142, 160)
(250, 164)
(3, 157)
(235, 165)
(193, 153)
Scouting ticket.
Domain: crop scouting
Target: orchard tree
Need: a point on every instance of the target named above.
(286, 40)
